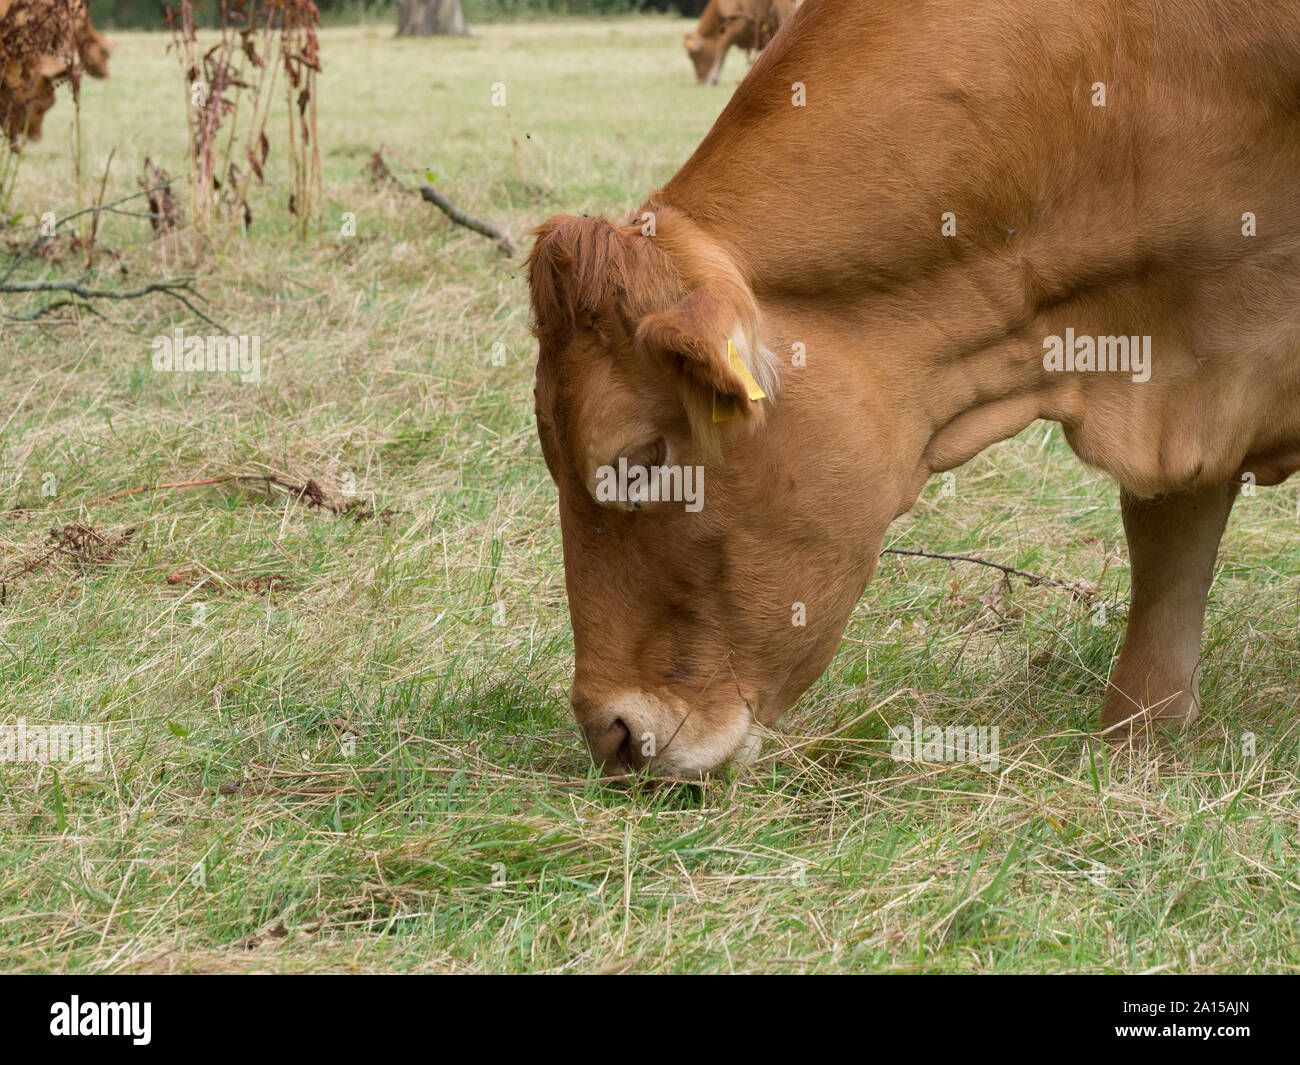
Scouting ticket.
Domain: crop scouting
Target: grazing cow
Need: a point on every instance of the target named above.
(917, 228)
(747, 24)
(27, 83)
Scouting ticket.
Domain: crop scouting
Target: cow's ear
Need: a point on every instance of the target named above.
(720, 373)
(692, 43)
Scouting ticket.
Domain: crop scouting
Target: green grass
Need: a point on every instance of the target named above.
(365, 760)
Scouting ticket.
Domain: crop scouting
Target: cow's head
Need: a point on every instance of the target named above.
(707, 593)
(703, 53)
(27, 96)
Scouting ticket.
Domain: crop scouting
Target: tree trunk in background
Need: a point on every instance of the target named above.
(424, 18)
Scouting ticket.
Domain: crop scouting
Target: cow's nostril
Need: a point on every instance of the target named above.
(627, 752)
(610, 748)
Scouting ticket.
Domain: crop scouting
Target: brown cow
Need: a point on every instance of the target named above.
(934, 202)
(27, 82)
(747, 24)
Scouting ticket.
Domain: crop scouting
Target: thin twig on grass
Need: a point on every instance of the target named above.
(94, 222)
(112, 208)
(80, 542)
(309, 491)
(1080, 589)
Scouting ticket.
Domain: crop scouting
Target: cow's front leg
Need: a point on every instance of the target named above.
(730, 36)
(1173, 542)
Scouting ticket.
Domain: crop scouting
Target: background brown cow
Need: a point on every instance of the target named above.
(747, 24)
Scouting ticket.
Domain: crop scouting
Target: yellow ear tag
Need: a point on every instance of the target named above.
(724, 408)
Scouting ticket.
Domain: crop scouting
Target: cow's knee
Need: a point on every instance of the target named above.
(1173, 542)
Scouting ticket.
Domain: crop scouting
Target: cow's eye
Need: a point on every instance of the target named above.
(655, 453)
(636, 477)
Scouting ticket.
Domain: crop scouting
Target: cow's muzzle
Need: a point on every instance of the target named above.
(634, 731)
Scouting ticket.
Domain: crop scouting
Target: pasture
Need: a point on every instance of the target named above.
(341, 742)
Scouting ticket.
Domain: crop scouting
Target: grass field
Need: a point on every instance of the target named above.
(343, 742)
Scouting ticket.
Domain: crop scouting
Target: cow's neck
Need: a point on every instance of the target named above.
(1082, 219)
(940, 368)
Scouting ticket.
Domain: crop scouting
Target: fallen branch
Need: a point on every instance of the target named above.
(433, 196)
(178, 288)
(381, 174)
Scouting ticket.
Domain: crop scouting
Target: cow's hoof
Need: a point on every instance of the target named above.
(1129, 721)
